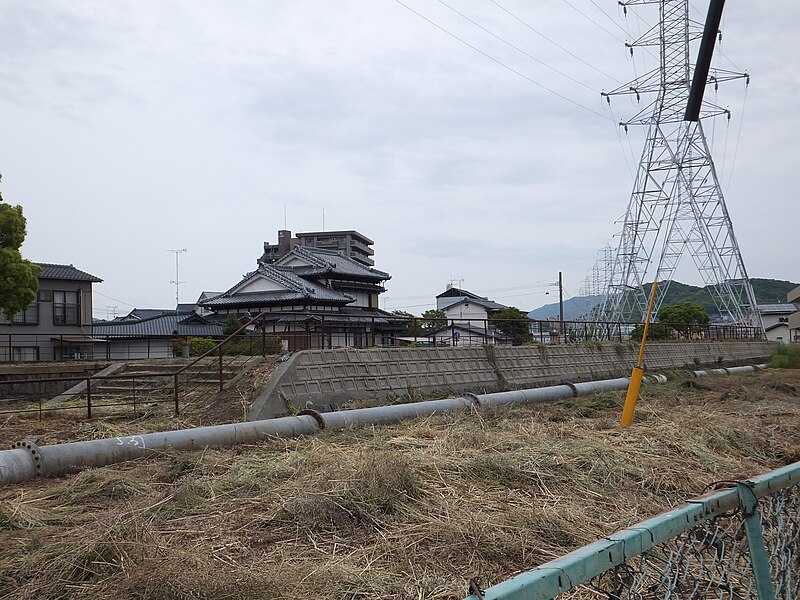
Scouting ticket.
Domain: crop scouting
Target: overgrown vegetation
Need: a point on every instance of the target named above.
(786, 356)
(405, 511)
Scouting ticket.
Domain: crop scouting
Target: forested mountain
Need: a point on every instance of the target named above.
(767, 291)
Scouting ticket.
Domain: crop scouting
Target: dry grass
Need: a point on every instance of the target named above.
(409, 511)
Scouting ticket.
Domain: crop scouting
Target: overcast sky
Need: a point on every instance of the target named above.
(128, 129)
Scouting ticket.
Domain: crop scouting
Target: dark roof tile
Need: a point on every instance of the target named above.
(68, 272)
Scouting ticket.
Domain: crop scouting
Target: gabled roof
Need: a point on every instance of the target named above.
(67, 272)
(487, 304)
(159, 326)
(140, 314)
(455, 292)
(296, 289)
(329, 262)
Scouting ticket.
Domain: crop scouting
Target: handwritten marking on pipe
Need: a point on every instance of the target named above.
(134, 440)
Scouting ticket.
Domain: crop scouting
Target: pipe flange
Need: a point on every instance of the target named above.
(571, 386)
(33, 448)
(313, 413)
(473, 398)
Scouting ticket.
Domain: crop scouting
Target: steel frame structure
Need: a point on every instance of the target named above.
(677, 206)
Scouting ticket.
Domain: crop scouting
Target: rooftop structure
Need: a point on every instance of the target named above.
(350, 243)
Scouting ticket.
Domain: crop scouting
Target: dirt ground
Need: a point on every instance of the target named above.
(407, 511)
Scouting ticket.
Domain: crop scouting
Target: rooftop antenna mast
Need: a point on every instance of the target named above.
(177, 282)
(677, 206)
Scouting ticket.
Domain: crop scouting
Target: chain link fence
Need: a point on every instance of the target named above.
(738, 543)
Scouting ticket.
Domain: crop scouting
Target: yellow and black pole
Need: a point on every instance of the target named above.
(638, 372)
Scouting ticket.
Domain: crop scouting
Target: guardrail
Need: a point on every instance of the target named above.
(738, 543)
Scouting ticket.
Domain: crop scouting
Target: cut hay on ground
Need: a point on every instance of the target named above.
(409, 511)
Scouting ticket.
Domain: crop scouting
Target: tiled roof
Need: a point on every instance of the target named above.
(455, 292)
(160, 326)
(487, 304)
(325, 261)
(297, 290)
(68, 272)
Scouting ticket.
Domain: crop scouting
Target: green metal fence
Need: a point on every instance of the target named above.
(736, 543)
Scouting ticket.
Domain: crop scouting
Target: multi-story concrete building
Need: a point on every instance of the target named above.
(350, 243)
(58, 324)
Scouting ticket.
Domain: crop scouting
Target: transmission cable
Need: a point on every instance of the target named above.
(611, 33)
(501, 63)
(556, 44)
(738, 135)
(610, 18)
(517, 48)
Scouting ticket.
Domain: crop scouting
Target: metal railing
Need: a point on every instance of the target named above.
(311, 331)
(173, 382)
(738, 543)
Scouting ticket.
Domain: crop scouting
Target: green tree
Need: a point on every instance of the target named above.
(19, 278)
(514, 323)
(683, 313)
(681, 317)
(232, 325)
(414, 324)
(433, 319)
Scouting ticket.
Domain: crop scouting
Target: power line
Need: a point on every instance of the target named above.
(114, 299)
(612, 34)
(501, 63)
(556, 44)
(517, 48)
(610, 18)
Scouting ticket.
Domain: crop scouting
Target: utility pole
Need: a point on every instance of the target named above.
(177, 280)
(561, 305)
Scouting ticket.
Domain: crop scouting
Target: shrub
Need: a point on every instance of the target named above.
(785, 357)
(198, 345)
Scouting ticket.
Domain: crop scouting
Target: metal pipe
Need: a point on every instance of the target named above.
(26, 460)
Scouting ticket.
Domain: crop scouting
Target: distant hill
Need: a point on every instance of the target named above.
(767, 291)
(574, 308)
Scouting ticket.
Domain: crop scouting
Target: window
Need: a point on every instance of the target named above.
(66, 310)
(45, 295)
(29, 316)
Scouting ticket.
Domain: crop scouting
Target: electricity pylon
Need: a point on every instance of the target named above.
(676, 207)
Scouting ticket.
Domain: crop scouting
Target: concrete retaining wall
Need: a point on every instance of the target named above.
(326, 379)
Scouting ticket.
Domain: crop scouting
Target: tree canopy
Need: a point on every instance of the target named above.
(19, 278)
(683, 313)
(433, 319)
(514, 323)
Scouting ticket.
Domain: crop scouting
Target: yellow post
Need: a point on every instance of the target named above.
(638, 372)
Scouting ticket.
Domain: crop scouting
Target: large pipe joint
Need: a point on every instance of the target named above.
(32, 449)
(19, 464)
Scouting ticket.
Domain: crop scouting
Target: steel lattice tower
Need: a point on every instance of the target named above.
(676, 206)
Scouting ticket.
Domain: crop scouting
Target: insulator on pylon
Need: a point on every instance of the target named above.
(747, 79)
(728, 113)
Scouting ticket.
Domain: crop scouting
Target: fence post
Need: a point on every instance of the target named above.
(221, 382)
(755, 541)
(134, 397)
(41, 393)
(89, 397)
(175, 391)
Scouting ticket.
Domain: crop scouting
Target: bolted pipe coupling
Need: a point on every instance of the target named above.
(21, 463)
